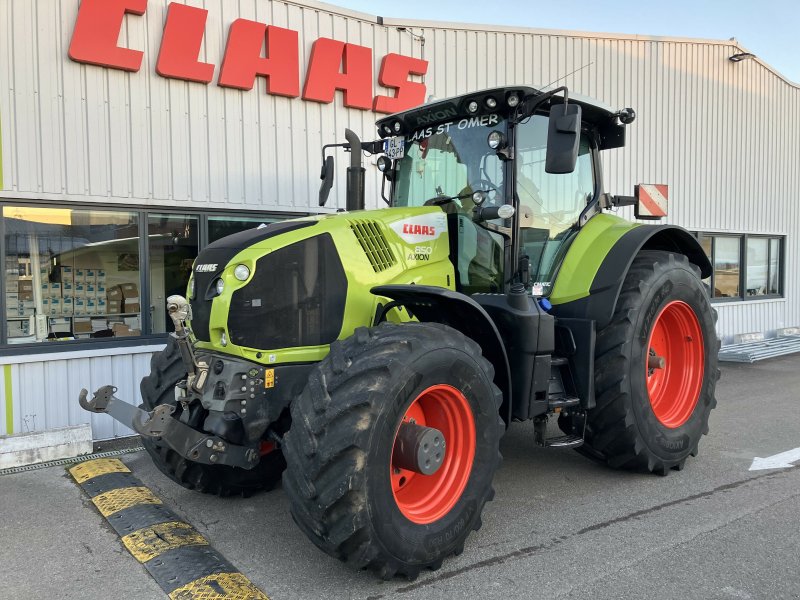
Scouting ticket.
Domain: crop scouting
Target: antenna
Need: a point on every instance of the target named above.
(567, 75)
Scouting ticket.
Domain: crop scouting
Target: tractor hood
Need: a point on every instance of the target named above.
(285, 292)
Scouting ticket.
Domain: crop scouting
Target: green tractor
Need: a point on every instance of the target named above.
(374, 359)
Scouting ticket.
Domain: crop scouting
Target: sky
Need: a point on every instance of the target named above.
(770, 29)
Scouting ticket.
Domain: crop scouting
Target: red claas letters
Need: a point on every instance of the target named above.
(253, 50)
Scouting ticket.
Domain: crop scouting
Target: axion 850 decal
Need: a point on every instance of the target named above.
(420, 234)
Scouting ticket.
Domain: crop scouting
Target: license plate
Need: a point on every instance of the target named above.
(394, 147)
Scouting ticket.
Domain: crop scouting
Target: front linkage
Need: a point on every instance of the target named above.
(159, 424)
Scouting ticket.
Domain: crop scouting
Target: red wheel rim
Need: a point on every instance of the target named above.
(426, 498)
(675, 389)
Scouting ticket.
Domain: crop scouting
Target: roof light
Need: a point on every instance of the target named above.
(626, 116)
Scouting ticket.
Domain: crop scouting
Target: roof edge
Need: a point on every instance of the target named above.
(422, 24)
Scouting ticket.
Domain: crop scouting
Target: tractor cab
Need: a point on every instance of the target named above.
(516, 171)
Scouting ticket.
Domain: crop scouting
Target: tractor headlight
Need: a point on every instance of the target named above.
(479, 197)
(472, 107)
(241, 272)
(384, 164)
(397, 126)
(506, 211)
(496, 140)
(191, 288)
(513, 100)
(219, 286)
(490, 102)
(223, 339)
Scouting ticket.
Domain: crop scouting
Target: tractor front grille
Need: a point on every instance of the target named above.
(296, 297)
(215, 258)
(370, 235)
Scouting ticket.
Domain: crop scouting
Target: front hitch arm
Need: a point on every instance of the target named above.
(104, 401)
(160, 424)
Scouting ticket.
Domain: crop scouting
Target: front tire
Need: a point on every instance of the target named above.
(346, 492)
(650, 415)
(166, 370)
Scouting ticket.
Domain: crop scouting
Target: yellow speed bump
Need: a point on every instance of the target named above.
(180, 560)
(116, 500)
(85, 471)
(149, 542)
(220, 586)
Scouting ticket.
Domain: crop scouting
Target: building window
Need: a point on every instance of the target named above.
(75, 274)
(63, 267)
(746, 267)
(172, 243)
(727, 266)
(219, 227)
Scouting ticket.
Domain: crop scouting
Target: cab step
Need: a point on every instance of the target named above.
(561, 402)
(564, 441)
(554, 438)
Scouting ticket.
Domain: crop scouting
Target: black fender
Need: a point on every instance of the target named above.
(604, 291)
(459, 311)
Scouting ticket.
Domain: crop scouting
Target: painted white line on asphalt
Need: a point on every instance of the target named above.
(776, 461)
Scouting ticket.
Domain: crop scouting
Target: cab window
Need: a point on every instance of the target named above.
(549, 204)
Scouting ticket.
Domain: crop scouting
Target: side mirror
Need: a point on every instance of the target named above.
(327, 180)
(563, 138)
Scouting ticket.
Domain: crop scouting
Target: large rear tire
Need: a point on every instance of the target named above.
(166, 370)
(346, 491)
(650, 415)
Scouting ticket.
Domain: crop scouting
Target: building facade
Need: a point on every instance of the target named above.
(134, 133)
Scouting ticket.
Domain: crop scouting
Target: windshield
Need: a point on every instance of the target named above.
(450, 159)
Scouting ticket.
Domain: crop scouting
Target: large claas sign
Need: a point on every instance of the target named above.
(253, 50)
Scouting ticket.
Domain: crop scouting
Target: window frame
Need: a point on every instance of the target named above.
(743, 264)
(143, 214)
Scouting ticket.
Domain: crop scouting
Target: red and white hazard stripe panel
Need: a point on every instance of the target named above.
(652, 200)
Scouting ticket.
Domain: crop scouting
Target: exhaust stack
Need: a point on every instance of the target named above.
(355, 173)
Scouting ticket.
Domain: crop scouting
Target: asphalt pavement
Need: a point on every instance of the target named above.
(560, 526)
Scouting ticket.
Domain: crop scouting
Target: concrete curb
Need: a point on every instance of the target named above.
(41, 446)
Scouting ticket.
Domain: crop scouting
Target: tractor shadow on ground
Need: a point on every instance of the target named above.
(258, 535)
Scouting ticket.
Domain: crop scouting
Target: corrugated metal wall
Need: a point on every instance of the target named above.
(41, 392)
(725, 136)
